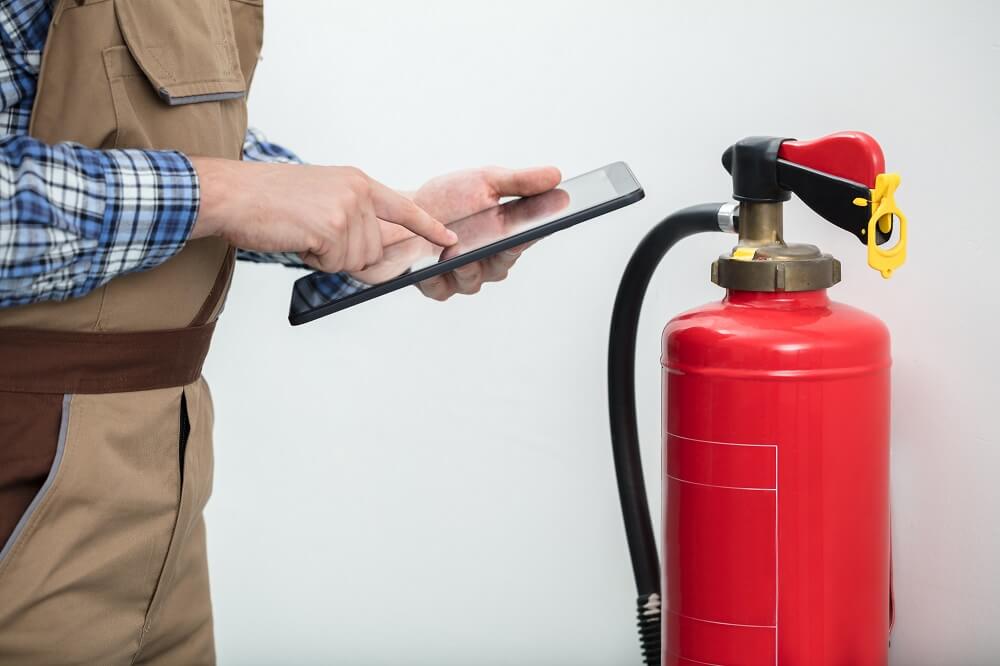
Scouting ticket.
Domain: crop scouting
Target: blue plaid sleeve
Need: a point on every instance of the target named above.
(72, 218)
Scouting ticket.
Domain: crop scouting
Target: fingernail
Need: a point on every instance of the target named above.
(452, 236)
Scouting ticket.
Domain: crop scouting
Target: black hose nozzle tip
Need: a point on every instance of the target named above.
(649, 628)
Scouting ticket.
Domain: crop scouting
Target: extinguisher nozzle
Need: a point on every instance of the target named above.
(649, 628)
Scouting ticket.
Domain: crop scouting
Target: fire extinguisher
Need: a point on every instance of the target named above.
(775, 459)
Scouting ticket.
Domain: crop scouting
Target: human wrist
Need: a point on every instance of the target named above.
(217, 186)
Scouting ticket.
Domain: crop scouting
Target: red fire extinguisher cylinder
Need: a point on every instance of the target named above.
(776, 482)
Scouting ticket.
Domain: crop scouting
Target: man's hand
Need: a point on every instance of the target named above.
(328, 215)
(457, 195)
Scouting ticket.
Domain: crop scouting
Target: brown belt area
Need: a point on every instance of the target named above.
(37, 361)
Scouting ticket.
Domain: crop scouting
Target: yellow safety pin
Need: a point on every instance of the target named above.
(884, 209)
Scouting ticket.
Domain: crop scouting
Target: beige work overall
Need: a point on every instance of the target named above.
(105, 421)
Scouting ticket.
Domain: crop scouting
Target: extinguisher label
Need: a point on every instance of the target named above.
(722, 550)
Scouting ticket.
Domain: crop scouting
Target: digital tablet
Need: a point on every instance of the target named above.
(480, 235)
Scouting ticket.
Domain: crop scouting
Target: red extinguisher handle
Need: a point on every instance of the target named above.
(835, 175)
(854, 156)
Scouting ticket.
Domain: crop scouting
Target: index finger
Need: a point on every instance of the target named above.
(393, 207)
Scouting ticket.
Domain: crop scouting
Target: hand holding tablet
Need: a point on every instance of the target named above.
(481, 236)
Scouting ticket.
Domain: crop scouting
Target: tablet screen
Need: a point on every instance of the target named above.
(476, 232)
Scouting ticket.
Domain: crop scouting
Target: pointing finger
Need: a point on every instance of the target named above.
(393, 207)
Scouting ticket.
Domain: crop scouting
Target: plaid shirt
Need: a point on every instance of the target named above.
(73, 218)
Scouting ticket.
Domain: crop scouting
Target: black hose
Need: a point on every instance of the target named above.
(621, 403)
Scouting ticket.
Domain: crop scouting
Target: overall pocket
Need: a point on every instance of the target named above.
(177, 74)
(187, 49)
(32, 435)
(88, 555)
(181, 592)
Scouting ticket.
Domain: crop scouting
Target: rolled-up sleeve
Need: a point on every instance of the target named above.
(73, 218)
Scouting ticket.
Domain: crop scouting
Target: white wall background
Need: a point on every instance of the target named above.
(415, 483)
